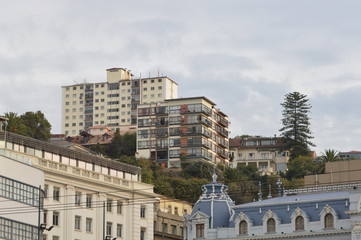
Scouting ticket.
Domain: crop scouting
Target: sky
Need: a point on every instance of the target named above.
(245, 55)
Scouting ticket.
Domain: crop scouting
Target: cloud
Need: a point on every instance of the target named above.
(244, 55)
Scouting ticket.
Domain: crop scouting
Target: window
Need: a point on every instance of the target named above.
(176, 210)
(77, 198)
(164, 227)
(55, 237)
(88, 224)
(56, 218)
(142, 211)
(142, 233)
(199, 230)
(67, 103)
(109, 205)
(160, 87)
(88, 200)
(109, 228)
(243, 229)
(56, 193)
(169, 209)
(173, 229)
(329, 220)
(119, 207)
(45, 216)
(152, 88)
(119, 230)
(46, 190)
(271, 225)
(77, 223)
(181, 230)
(300, 223)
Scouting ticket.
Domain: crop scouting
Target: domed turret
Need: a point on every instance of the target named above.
(215, 202)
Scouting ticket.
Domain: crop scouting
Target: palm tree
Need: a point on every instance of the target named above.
(14, 123)
(330, 155)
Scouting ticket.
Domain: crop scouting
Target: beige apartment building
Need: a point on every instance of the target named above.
(182, 130)
(268, 154)
(169, 218)
(86, 196)
(112, 103)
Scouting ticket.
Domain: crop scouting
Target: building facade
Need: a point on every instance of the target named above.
(268, 154)
(86, 196)
(20, 197)
(339, 172)
(324, 215)
(112, 103)
(169, 220)
(183, 129)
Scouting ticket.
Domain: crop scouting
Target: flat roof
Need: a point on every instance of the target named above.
(191, 98)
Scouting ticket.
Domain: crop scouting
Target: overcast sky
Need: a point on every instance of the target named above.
(244, 55)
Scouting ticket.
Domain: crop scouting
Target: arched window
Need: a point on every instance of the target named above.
(243, 228)
(271, 225)
(328, 220)
(300, 223)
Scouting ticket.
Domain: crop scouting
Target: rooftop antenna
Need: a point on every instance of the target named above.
(269, 192)
(259, 191)
(279, 183)
(158, 72)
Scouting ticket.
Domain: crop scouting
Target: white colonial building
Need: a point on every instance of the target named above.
(322, 215)
(86, 197)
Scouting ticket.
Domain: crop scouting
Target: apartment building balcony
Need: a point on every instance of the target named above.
(223, 122)
(89, 96)
(162, 135)
(197, 133)
(162, 123)
(206, 122)
(87, 119)
(162, 111)
(196, 144)
(222, 145)
(222, 132)
(207, 112)
(89, 88)
(222, 154)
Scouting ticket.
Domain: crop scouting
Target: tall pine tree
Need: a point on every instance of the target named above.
(296, 123)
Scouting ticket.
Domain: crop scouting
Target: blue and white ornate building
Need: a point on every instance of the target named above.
(326, 215)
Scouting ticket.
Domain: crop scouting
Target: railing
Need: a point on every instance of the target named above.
(327, 188)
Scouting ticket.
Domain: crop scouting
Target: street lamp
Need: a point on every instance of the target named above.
(43, 227)
(110, 238)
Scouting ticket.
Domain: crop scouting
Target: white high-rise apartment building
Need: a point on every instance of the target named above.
(112, 103)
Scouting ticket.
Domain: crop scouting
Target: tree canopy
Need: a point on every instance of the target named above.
(330, 155)
(296, 123)
(121, 145)
(30, 124)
